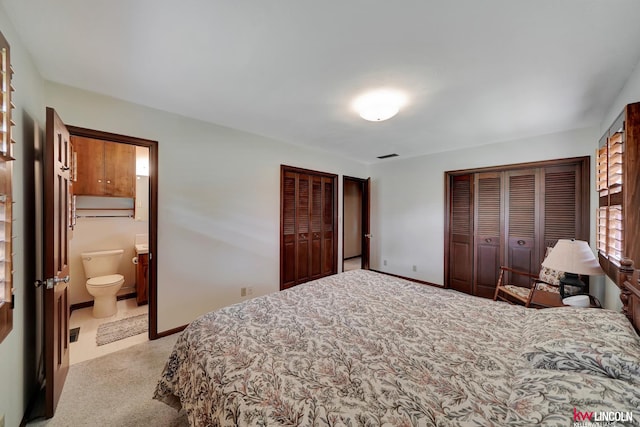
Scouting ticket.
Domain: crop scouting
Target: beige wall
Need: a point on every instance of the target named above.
(21, 349)
(218, 200)
(408, 199)
(97, 234)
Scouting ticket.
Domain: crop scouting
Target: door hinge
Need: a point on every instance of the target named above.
(13, 299)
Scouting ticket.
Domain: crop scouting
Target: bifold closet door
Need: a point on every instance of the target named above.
(461, 234)
(308, 226)
(509, 216)
(523, 215)
(488, 232)
(321, 214)
(562, 215)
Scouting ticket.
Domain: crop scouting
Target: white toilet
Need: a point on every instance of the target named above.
(104, 282)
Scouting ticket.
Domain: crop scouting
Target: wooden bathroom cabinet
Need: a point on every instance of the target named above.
(104, 168)
(142, 273)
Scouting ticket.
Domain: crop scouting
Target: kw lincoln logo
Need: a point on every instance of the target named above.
(601, 419)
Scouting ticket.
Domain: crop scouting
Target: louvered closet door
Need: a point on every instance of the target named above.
(507, 216)
(461, 234)
(288, 240)
(321, 233)
(329, 255)
(561, 217)
(488, 225)
(303, 246)
(316, 227)
(308, 229)
(522, 222)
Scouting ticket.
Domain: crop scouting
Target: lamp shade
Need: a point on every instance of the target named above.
(573, 256)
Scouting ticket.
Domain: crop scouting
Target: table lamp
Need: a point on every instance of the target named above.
(575, 258)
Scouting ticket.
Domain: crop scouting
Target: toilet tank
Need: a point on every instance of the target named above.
(101, 263)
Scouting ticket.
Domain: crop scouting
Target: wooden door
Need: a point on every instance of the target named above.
(328, 210)
(316, 233)
(57, 164)
(561, 217)
(308, 236)
(461, 234)
(119, 169)
(366, 224)
(488, 211)
(523, 213)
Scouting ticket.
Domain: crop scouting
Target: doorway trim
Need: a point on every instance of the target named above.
(153, 209)
(365, 219)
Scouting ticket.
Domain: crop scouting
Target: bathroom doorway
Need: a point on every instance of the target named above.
(122, 217)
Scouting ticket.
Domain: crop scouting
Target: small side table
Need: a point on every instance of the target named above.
(593, 303)
(544, 299)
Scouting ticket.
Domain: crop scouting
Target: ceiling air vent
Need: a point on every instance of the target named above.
(386, 156)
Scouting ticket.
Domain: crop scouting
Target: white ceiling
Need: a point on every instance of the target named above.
(476, 71)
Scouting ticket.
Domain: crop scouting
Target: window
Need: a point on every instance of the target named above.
(617, 186)
(6, 202)
(610, 181)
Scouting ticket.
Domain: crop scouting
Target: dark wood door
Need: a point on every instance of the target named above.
(562, 215)
(461, 234)
(522, 223)
(366, 224)
(57, 164)
(517, 212)
(488, 228)
(308, 240)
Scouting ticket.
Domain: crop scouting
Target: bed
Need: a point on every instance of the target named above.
(366, 349)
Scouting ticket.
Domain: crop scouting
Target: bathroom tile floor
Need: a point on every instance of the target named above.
(352, 264)
(85, 347)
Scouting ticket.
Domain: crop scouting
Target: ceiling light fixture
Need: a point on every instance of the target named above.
(379, 105)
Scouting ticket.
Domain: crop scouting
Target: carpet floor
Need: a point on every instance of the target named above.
(117, 390)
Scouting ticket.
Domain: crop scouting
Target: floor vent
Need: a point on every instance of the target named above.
(73, 334)
(386, 156)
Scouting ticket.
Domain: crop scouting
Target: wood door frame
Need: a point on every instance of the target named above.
(153, 210)
(365, 219)
(334, 181)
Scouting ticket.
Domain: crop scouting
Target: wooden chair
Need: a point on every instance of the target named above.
(517, 287)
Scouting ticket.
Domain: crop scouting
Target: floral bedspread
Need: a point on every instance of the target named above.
(366, 349)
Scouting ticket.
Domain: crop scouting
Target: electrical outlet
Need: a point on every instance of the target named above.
(415, 268)
(243, 292)
(384, 262)
(249, 291)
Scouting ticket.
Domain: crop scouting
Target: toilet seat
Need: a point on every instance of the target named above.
(111, 279)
